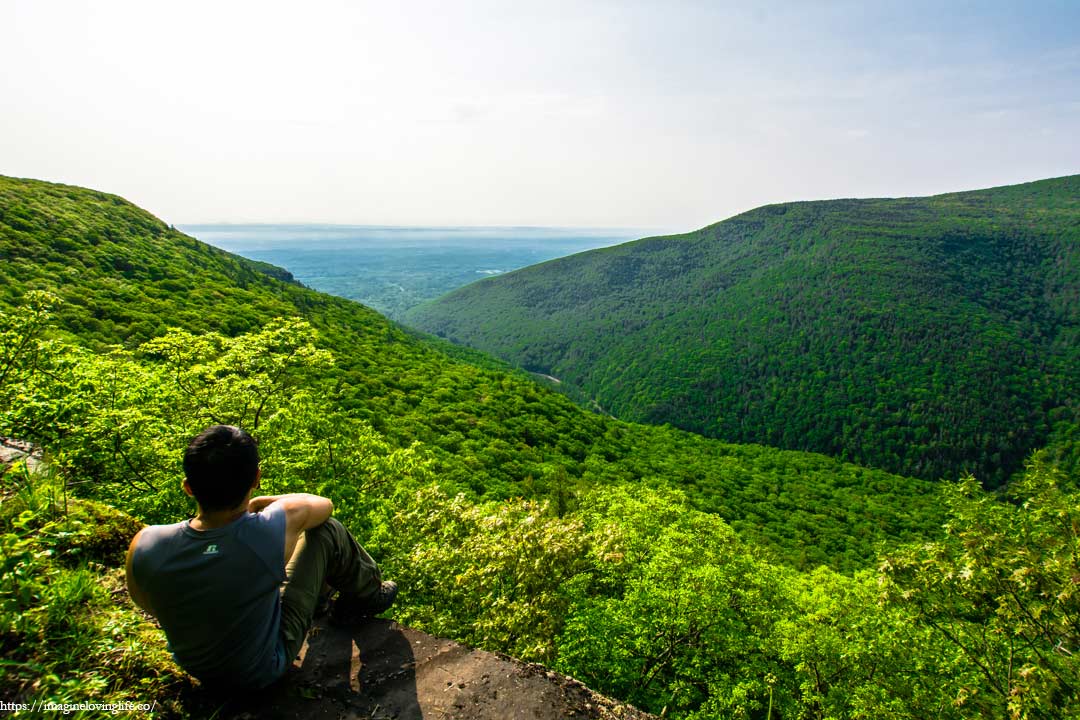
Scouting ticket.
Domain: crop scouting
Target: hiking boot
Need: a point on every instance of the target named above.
(349, 608)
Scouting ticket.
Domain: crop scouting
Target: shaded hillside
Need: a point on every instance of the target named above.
(927, 336)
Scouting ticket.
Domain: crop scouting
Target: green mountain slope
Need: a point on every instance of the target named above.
(927, 336)
(124, 277)
(512, 519)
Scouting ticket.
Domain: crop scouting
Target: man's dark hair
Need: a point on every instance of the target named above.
(220, 465)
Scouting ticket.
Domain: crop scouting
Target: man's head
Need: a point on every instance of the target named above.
(221, 464)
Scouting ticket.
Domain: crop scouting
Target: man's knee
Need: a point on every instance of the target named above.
(332, 525)
(331, 533)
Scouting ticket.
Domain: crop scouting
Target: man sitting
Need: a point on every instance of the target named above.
(234, 611)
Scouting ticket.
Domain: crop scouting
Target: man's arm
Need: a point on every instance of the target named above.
(302, 512)
(137, 595)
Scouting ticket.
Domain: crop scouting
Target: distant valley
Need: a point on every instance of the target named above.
(393, 269)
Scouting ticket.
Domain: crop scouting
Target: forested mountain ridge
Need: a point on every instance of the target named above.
(928, 336)
(125, 277)
(690, 577)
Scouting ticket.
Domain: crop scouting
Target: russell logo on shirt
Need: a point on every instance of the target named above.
(210, 550)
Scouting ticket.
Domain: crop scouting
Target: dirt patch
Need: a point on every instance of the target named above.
(383, 671)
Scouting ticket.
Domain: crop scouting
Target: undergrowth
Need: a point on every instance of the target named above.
(68, 630)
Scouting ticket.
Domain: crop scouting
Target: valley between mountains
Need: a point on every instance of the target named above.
(686, 554)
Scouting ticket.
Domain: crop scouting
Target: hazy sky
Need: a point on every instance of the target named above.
(666, 114)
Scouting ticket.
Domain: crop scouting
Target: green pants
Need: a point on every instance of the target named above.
(325, 554)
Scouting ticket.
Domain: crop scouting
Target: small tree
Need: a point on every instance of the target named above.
(1002, 589)
(19, 334)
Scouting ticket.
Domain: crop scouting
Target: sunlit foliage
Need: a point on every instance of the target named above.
(667, 570)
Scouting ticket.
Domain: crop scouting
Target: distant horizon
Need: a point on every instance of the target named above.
(592, 229)
(333, 235)
(397, 226)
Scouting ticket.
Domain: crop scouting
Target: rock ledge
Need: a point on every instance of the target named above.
(382, 671)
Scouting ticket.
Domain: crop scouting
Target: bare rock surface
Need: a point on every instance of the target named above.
(381, 670)
(12, 450)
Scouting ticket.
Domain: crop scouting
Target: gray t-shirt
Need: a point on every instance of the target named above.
(217, 595)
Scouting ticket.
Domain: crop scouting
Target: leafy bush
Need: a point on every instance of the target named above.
(1000, 589)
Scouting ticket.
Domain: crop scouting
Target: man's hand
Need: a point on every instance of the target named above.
(257, 504)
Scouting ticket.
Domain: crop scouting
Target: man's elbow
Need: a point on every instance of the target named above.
(326, 510)
(315, 511)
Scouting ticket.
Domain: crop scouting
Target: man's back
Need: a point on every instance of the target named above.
(216, 593)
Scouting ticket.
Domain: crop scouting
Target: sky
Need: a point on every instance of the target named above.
(665, 115)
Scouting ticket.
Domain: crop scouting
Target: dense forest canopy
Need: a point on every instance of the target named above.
(125, 277)
(927, 336)
(679, 573)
